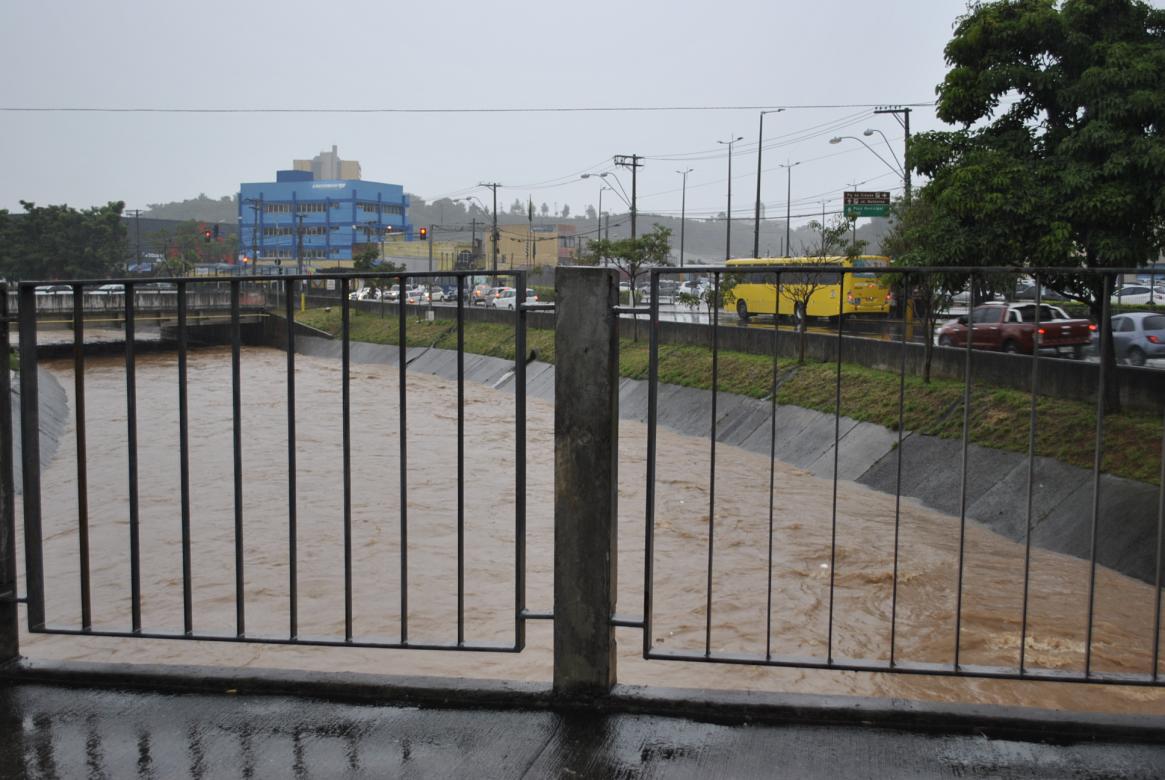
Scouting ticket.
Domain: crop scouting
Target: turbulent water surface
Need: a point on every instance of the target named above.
(802, 528)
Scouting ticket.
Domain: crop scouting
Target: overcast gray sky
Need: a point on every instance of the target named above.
(120, 54)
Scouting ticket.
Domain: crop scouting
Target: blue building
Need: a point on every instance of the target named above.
(317, 220)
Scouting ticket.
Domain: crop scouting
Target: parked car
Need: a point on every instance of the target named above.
(1028, 293)
(508, 298)
(365, 294)
(1138, 336)
(393, 293)
(108, 289)
(1139, 295)
(434, 293)
(481, 295)
(449, 292)
(415, 295)
(55, 289)
(1012, 328)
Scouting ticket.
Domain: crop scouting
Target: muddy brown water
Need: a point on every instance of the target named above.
(800, 574)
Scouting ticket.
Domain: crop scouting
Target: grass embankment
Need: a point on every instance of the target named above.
(999, 417)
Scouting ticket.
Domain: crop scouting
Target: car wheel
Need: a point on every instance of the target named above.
(945, 341)
(1136, 356)
(1011, 347)
(1078, 352)
(742, 309)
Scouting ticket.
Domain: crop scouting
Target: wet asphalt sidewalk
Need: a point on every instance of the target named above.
(49, 731)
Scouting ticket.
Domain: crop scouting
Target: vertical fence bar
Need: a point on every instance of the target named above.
(836, 447)
(772, 467)
(520, 461)
(712, 464)
(586, 479)
(907, 301)
(404, 505)
(1031, 479)
(30, 459)
(131, 404)
(652, 443)
(82, 460)
(970, 334)
(346, 424)
(289, 286)
(460, 461)
(1160, 553)
(184, 461)
(9, 613)
(237, 417)
(1105, 335)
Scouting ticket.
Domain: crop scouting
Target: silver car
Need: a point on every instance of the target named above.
(1138, 336)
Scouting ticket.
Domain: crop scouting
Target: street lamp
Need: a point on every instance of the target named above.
(869, 131)
(788, 166)
(896, 169)
(622, 193)
(760, 142)
(683, 210)
(728, 220)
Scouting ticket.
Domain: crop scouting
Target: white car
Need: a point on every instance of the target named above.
(435, 293)
(1139, 295)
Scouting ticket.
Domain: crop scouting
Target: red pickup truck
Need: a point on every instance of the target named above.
(1011, 327)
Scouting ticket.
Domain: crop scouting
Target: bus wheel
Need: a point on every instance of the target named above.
(742, 309)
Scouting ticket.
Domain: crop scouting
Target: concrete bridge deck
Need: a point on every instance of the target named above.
(48, 731)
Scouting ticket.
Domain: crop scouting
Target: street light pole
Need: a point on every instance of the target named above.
(494, 248)
(905, 122)
(760, 142)
(728, 215)
(683, 211)
(788, 166)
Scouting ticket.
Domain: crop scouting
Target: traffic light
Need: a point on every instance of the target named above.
(424, 233)
(206, 235)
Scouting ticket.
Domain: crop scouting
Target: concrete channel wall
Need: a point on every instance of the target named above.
(1140, 388)
(932, 468)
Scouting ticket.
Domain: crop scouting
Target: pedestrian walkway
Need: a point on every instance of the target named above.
(49, 731)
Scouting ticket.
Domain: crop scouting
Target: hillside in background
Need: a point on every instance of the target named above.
(704, 239)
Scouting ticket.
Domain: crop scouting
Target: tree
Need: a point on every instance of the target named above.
(365, 258)
(798, 286)
(565, 211)
(516, 208)
(544, 209)
(59, 242)
(1068, 172)
(591, 213)
(917, 238)
(633, 255)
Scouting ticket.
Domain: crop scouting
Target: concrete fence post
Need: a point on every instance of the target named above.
(586, 450)
(9, 616)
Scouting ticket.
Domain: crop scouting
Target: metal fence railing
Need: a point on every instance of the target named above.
(187, 297)
(790, 614)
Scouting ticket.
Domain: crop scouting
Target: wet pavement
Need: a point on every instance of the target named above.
(48, 731)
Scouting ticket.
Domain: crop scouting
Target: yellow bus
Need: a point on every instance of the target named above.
(811, 293)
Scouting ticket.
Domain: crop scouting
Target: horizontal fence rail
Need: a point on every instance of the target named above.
(183, 302)
(796, 285)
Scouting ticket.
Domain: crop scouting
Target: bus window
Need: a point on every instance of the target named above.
(863, 262)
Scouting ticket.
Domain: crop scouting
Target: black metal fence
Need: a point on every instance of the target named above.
(887, 656)
(186, 294)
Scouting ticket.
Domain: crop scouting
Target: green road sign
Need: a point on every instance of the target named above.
(854, 210)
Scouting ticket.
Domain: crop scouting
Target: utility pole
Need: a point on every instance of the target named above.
(630, 161)
(728, 214)
(494, 248)
(902, 114)
(137, 213)
(788, 166)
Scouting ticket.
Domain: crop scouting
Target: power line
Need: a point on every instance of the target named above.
(456, 110)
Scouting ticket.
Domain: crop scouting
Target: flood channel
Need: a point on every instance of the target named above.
(802, 522)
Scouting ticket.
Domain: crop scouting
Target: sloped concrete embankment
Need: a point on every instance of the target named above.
(932, 468)
(53, 411)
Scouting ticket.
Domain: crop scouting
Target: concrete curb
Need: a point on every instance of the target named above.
(713, 706)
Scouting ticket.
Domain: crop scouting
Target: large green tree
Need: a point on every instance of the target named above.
(1060, 160)
(59, 242)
